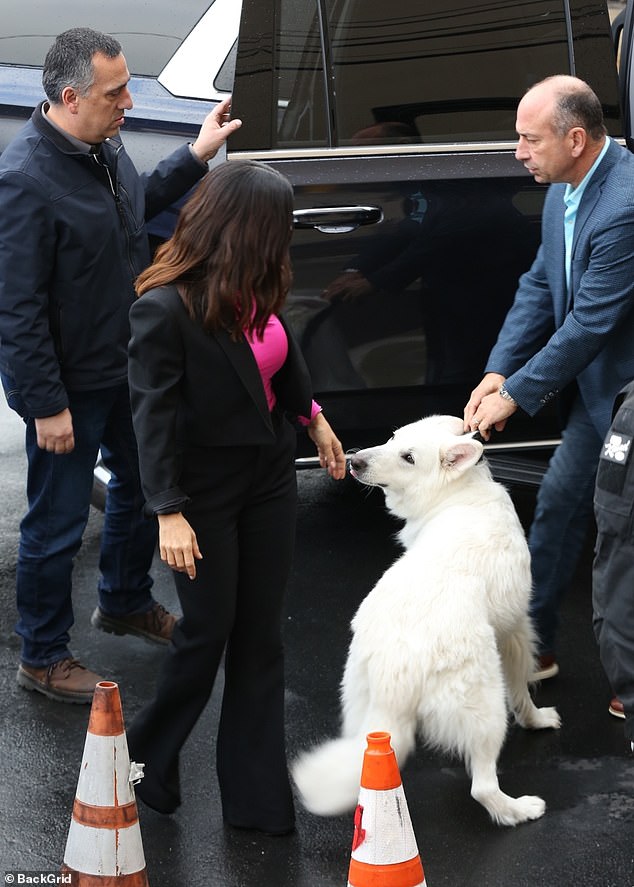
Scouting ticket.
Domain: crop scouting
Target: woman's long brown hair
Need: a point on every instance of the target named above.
(229, 254)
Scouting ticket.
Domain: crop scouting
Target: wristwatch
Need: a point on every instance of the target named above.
(504, 393)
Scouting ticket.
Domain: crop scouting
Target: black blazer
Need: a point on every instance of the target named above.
(193, 388)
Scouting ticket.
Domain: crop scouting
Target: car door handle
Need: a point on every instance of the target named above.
(337, 219)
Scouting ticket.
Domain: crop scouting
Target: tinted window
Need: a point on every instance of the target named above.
(150, 31)
(225, 76)
(438, 71)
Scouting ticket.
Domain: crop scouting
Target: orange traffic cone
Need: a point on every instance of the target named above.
(104, 846)
(384, 851)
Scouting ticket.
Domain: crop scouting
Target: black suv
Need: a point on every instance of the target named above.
(395, 123)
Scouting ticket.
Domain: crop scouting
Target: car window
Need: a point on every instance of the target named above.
(358, 72)
(341, 73)
(150, 31)
(441, 70)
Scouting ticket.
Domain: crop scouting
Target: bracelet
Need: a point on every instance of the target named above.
(504, 393)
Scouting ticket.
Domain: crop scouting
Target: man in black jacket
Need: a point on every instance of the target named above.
(613, 569)
(72, 240)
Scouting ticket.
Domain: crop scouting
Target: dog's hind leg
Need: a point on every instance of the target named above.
(328, 776)
(380, 707)
(355, 693)
(518, 663)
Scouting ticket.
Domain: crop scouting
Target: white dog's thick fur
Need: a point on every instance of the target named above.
(443, 644)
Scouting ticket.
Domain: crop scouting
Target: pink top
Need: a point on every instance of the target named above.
(270, 353)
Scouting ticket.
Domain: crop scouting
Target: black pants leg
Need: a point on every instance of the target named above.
(243, 513)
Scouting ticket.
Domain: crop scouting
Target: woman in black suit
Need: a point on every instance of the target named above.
(214, 373)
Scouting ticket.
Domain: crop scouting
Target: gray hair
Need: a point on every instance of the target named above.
(579, 108)
(69, 61)
(575, 104)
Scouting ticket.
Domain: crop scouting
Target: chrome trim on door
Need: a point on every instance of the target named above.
(313, 461)
(371, 151)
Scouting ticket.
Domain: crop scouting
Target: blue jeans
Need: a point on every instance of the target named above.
(58, 492)
(562, 516)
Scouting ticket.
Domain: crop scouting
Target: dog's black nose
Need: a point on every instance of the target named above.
(358, 462)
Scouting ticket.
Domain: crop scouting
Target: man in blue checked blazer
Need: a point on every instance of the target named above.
(570, 330)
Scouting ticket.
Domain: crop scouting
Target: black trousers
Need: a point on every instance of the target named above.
(243, 512)
(613, 568)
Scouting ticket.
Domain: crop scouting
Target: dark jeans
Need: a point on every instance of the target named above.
(58, 491)
(562, 517)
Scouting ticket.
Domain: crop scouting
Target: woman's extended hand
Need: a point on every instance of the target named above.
(177, 544)
(331, 454)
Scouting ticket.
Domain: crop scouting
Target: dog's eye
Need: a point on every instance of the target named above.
(408, 457)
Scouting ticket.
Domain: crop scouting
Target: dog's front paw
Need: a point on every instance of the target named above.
(513, 811)
(526, 808)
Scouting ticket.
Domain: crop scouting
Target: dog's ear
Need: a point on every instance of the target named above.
(462, 455)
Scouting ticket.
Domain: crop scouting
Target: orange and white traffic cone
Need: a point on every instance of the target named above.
(384, 851)
(104, 847)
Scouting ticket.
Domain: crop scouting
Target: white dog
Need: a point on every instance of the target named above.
(443, 643)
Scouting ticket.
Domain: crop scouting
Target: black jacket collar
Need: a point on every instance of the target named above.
(52, 133)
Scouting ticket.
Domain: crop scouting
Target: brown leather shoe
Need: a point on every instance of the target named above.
(546, 667)
(616, 708)
(155, 625)
(64, 681)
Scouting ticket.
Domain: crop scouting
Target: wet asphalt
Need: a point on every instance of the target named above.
(345, 540)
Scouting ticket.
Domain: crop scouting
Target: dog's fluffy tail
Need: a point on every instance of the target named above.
(328, 776)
